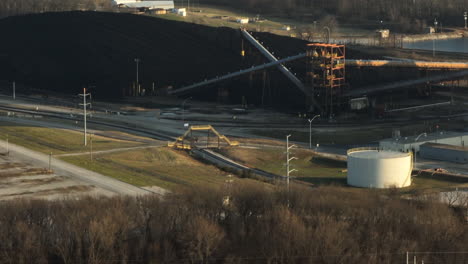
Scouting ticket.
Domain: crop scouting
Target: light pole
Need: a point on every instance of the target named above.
(466, 19)
(417, 138)
(183, 109)
(310, 130)
(137, 61)
(327, 30)
(433, 39)
(422, 134)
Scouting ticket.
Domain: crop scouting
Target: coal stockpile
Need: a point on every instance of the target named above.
(67, 51)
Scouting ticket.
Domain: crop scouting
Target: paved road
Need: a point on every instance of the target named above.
(110, 150)
(72, 171)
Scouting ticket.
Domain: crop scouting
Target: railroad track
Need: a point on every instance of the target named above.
(216, 157)
(225, 162)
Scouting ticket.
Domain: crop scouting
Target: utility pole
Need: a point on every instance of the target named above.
(84, 104)
(310, 130)
(137, 61)
(183, 109)
(14, 90)
(288, 160)
(91, 140)
(50, 160)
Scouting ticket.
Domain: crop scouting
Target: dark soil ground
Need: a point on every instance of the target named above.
(67, 51)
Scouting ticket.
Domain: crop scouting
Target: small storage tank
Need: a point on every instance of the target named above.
(374, 168)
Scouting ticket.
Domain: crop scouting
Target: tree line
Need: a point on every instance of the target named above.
(255, 225)
(18, 7)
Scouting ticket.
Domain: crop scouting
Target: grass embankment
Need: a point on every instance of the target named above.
(308, 169)
(163, 167)
(317, 171)
(57, 141)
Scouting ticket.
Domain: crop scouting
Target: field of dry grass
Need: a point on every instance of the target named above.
(316, 171)
(57, 141)
(273, 160)
(163, 167)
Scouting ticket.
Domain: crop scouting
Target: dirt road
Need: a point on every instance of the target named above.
(68, 170)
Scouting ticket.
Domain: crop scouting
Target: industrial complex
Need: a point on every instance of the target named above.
(180, 132)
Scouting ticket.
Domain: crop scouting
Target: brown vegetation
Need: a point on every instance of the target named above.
(17, 7)
(402, 15)
(322, 225)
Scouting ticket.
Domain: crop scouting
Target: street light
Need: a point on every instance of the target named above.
(137, 61)
(183, 108)
(466, 18)
(423, 134)
(310, 130)
(417, 138)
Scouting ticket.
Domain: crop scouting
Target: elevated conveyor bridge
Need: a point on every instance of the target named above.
(187, 137)
(274, 62)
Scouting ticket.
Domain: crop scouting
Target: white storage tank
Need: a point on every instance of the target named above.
(374, 168)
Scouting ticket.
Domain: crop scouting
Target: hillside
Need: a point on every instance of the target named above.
(69, 50)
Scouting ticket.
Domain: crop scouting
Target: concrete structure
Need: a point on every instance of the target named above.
(158, 11)
(444, 152)
(146, 4)
(373, 168)
(242, 20)
(407, 144)
(383, 33)
(180, 11)
(359, 103)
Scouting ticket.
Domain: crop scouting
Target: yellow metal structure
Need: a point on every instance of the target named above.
(180, 144)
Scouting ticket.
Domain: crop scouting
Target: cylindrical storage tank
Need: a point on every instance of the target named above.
(373, 168)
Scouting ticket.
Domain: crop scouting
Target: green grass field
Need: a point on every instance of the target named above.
(57, 141)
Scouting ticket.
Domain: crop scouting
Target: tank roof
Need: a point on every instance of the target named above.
(376, 154)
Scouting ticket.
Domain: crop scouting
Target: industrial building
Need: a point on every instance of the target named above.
(444, 152)
(413, 143)
(374, 168)
(145, 4)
